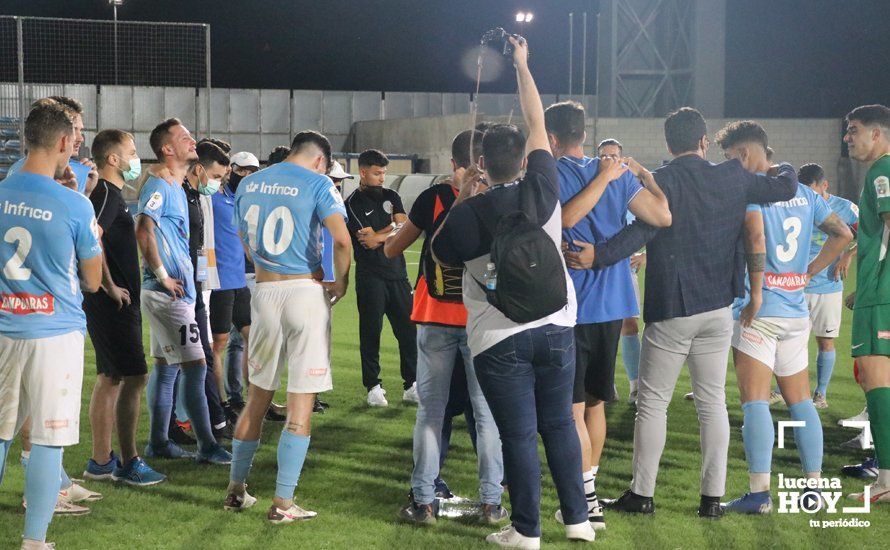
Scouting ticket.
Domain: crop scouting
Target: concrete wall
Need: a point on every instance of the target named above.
(797, 141)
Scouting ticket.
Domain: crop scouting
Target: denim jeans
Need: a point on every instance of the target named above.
(527, 380)
(234, 384)
(437, 347)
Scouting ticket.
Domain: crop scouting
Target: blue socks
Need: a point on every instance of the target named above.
(65, 480)
(630, 351)
(242, 459)
(196, 407)
(809, 437)
(41, 489)
(824, 368)
(758, 434)
(291, 455)
(160, 402)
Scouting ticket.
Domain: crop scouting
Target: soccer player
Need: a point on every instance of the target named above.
(49, 252)
(441, 338)
(82, 175)
(772, 326)
(381, 283)
(630, 328)
(825, 291)
(868, 140)
(596, 195)
(280, 212)
(114, 320)
(168, 299)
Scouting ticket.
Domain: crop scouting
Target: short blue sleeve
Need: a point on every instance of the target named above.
(86, 229)
(327, 200)
(850, 213)
(753, 208)
(821, 210)
(153, 199)
(632, 186)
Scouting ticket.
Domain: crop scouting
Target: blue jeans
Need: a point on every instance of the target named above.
(234, 384)
(437, 348)
(527, 380)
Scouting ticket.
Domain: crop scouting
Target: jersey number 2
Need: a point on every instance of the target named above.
(15, 269)
(272, 245)
(786, 251)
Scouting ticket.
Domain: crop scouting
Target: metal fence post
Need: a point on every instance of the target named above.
(207, 130)
(22, 101)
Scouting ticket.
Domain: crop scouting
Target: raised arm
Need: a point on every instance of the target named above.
(529, 99)
(755, 258)
(651, 204)
(772, 188)
(839, 236)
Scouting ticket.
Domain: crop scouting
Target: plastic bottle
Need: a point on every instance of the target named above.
(490, 278)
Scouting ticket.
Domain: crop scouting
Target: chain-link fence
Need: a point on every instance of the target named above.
(77, 56)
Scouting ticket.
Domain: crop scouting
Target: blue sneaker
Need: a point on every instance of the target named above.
(866, 470)
(101, 472)
(218, 456)
(137, 473)
(751, 503)
(171, 450)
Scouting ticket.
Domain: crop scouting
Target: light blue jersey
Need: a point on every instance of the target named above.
(824, 282)
(788, 227)
(45, 230)
(279, 212)
(80, 172)
(166, 204)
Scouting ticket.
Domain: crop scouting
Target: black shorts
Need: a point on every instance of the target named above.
(596, 347)
(229, 307)
(116, 336)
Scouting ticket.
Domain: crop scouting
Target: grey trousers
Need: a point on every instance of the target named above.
(702, 341)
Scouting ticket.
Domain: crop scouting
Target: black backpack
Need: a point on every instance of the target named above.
(531, 281)
(442, 283)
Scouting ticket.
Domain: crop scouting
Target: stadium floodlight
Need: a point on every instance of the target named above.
(520, 17)
(524, 17)
(116, 3)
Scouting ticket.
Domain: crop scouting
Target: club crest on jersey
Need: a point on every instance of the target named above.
(387, 207)
(23, 303)
(882, 186)
(789, 282)
(155, 201)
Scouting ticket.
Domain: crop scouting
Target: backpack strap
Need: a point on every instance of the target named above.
(481, 205)
(527, 202)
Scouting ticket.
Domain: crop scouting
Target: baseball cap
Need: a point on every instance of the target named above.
(244, 159)
(338, 173)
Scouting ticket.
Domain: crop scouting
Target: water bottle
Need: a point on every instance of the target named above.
(491, 277)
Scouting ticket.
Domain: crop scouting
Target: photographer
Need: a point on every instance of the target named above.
(526, 370)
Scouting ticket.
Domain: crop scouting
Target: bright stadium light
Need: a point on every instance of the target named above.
(524, 17)
(520, 17)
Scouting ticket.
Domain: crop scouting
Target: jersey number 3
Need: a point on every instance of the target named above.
(786, 251)
(274, 241)
(15, 269)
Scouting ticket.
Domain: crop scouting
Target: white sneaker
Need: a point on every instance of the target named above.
(858, 443)
(632, 398)
(689, 396)
(775, 398)
(508, 537)
(861, 417)
(410, 395)
(377, 397)
(28, 544)
(237, 502)
(278, 516)
(581, 531)
(819, 401)
(78, 493)
(877, 493)
(596, 513)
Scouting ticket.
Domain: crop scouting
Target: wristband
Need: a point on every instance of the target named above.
(160, 272)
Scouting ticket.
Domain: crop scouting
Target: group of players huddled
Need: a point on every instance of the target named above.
(743, 254)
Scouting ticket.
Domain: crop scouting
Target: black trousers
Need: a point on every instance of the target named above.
(378, 297)
(211, 387)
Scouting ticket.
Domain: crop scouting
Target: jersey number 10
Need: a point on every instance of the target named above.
(272, 245)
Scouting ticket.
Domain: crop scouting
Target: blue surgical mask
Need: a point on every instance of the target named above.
(134, 171)
(209, 188)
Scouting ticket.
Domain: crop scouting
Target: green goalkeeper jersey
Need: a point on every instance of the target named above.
(873, 271)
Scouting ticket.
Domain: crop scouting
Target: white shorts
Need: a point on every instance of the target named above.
(825, 313)
(174, 332)
(290, 325)
(41, 379)
(777, 342)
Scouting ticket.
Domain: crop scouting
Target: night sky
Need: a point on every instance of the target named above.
(784, 58)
